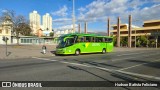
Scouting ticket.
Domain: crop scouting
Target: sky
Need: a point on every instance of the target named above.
(95, 12)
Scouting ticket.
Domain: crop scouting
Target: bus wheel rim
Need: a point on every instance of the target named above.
(103, 51)
(77, 52)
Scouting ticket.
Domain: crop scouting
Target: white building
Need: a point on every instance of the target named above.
(6, 31)
(35, 21)
(58, 33)
(47, 22)
(64, 30)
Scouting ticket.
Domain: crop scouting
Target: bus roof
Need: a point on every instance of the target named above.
(82, 34)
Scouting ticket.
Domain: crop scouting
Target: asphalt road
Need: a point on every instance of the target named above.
(141, 65)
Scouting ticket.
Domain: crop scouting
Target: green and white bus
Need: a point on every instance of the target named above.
(84, 43)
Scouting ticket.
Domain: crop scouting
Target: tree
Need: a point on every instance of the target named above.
(51, 34)
(142, 41)
(124, 41)
(24, 29)
(114, 40)
(20, 25)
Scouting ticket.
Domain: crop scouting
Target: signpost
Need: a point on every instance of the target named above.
(5, 39)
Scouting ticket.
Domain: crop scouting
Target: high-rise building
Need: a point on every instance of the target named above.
(47, 22)
(35, 21)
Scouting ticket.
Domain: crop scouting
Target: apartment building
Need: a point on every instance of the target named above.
(47, 22)
(35, 21)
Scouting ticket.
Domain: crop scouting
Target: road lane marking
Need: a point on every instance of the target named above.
(101, 68)
(139, 75)
(133, 54)
(44, 59)
(75, 64)
(138, 65)
(134, 57)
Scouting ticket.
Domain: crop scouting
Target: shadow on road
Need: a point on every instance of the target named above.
(53, 52)
(96, 63)
(77, 68)
(9, 53)
(148, 63)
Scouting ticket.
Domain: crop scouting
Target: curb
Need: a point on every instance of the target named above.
(16, 57)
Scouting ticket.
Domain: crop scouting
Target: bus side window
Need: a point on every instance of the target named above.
(108, 40)
(82, 39)
(88, 39)
(69, 41)
(103, 39)
(100, 39)
(92, 39)
(96, 39)
(78, 39)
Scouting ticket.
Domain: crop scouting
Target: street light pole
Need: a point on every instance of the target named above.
(135, 38)
(73, 16)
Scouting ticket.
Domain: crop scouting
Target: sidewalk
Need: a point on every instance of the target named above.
(28, 51)
(124, 49)
(25, 51)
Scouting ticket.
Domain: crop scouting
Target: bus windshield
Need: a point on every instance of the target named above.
(64, 42)
(61, 43)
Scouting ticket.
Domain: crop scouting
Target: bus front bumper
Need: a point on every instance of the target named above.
(60, 51)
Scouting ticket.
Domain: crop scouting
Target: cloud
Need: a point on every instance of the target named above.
(100, 10)
(81, 9)
(62, 20)
(61, 12)
(67, 26)
(4, 10)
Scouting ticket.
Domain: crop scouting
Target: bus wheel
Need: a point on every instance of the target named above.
(103, 51)
(77, 52)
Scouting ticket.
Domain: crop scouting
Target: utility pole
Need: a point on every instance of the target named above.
(130, 32)
(73, 16)
(118, 32)
(136, 38)
(85, 27)
(108, 32)
(79, 28)
(6, 47)
(156, 38)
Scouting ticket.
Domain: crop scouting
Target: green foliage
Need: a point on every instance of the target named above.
(51, 34)
(124, 41)
(24, 29)
(142, 41)
(114, 40)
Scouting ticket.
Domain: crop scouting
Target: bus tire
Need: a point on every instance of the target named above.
(103, 51)
(77, 52)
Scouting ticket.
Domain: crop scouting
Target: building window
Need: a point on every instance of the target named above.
(27, 40)
(6, 31)
(30, 41)
(22, 40)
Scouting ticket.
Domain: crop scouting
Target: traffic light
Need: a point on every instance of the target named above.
(7, 38)
(4, 38)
